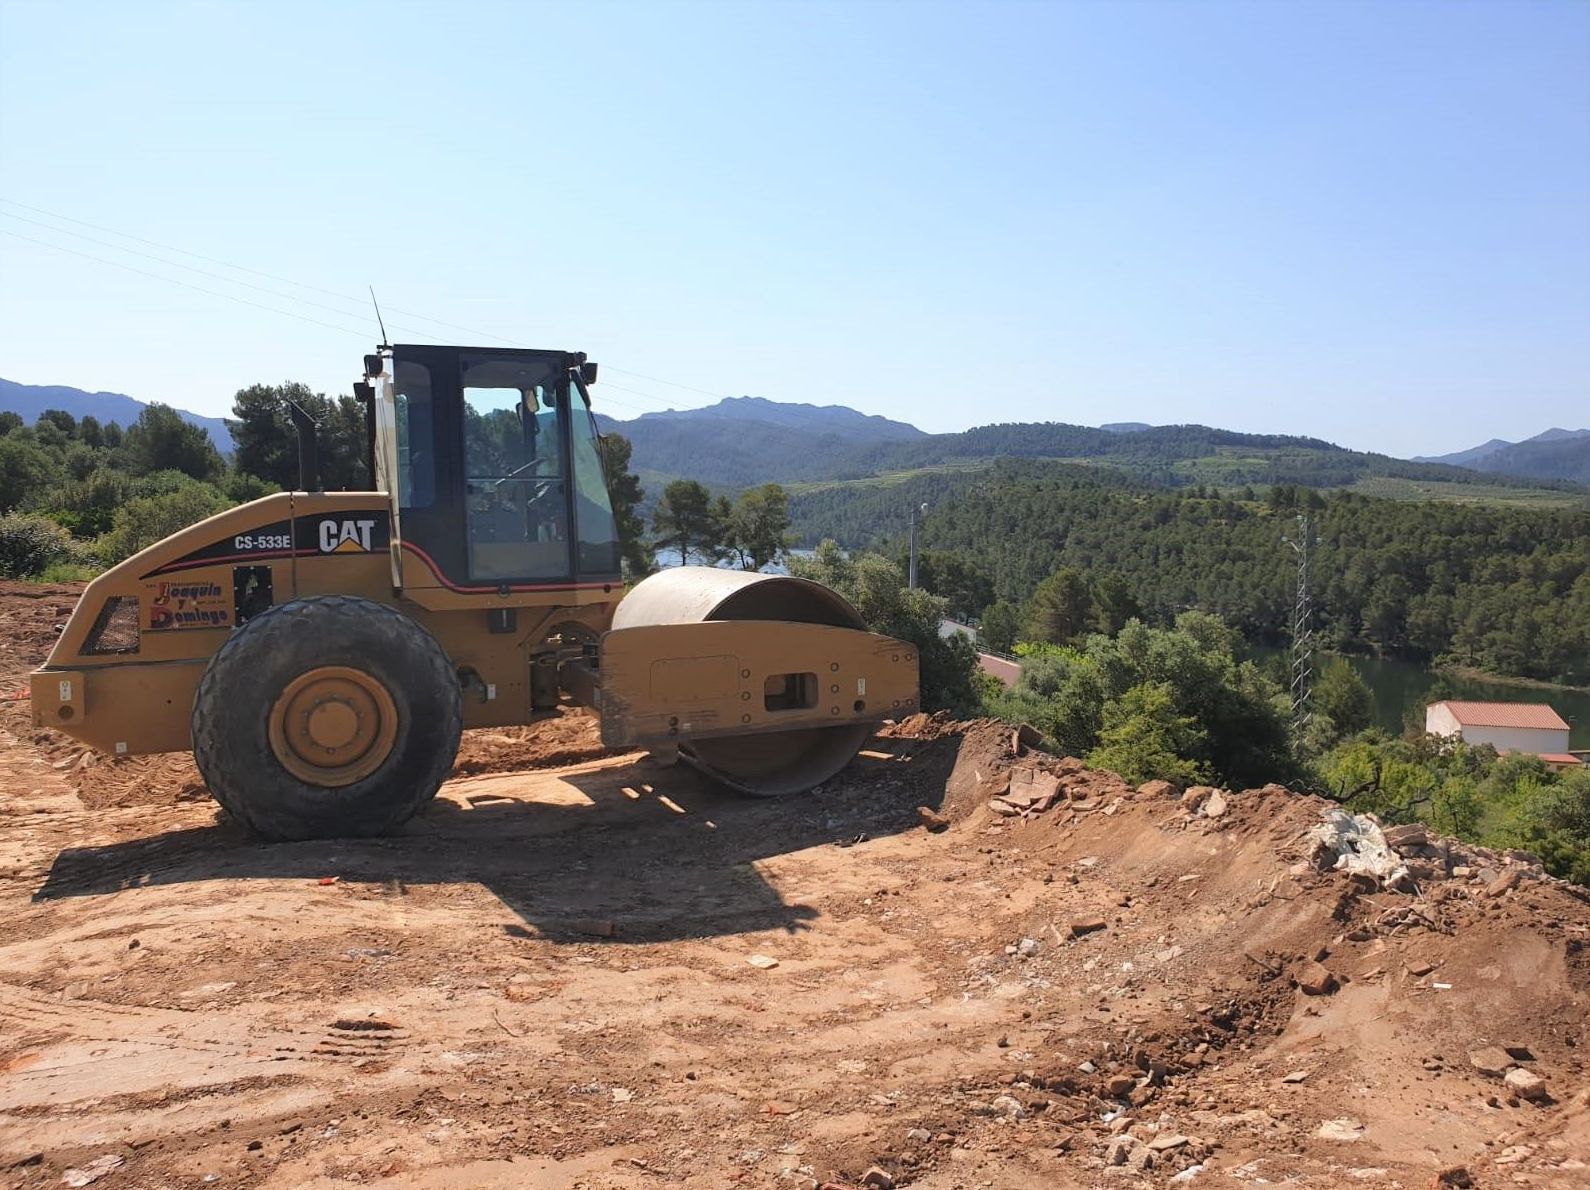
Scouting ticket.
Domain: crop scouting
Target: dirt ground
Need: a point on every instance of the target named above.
(582, 970)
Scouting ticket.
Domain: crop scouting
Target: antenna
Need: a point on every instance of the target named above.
(378, 321)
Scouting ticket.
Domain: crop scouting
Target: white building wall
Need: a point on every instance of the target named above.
(1518, 739)
(1439, 720)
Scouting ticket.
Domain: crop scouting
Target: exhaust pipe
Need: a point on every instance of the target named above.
(308, 448)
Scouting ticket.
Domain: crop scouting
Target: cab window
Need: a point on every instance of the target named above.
(515, 480)
(593, 508)
(416, 458)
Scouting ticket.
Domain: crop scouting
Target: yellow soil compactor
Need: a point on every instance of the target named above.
(320, 652)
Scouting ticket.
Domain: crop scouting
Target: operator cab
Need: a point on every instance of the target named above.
(492, 460)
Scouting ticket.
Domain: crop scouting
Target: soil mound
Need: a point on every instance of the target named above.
(1238, 956)
(961, 962)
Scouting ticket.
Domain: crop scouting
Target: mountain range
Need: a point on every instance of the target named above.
(1554, 454)
(30, 400)
(741, 441)
(798, 417)
(745, 440)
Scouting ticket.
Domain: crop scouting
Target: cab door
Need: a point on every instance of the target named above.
(483, 490)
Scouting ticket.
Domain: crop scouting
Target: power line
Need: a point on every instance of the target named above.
(304, 285)
(671, 383)
(179, 265)
(360, 334)
(116, 264)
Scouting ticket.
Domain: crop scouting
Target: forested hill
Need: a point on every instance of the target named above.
(1507, 590)
(817, 419)
(1562, 458)
(28, 401)
(762, 442)
(743, 441)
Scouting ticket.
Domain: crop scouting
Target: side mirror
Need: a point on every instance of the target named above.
(588, 373)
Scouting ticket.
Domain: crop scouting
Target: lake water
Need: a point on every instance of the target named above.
(1398, 685)
(668, 559)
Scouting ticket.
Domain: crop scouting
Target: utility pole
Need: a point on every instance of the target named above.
(911, 582)
(1302, 636)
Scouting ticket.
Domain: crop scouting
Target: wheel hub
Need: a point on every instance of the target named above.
(333, 726)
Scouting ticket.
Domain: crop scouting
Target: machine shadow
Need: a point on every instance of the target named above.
(619, 853)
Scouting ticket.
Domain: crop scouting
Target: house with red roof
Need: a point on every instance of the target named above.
(1506, 726)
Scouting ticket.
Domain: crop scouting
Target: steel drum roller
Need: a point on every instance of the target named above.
(766, 764)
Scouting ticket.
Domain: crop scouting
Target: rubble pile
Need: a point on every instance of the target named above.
(1320, 913)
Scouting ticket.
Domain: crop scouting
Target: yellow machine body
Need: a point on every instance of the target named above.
(312, 645)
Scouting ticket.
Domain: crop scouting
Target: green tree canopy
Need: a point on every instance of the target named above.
(1344, 697)
(265, 442)
(1060, 608)
(876, 588)
(686, 520)
(1001, 623)
(966, 587)
(161, 441)
(625, 493)
(141, 522)
(1113, 604)
(1241, 718)
(758, 526)
(27, 470)
(60, 419)
(1143, 738)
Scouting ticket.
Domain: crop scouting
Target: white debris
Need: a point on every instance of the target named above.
(1359, 846)
(762, 962)
(93, 1171)
(1345, 1129)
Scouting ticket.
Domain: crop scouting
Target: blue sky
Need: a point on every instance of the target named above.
(1366, 222)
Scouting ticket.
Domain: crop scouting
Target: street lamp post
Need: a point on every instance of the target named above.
(911, 582)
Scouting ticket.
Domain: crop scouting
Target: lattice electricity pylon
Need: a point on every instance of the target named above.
(1302, 637)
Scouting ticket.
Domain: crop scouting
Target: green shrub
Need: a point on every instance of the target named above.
(141, 522)
(1553, 821)
(68, 572)
(27, 470)
(877, 590)
(1470, 792)
(1143, 738)
(241, 487)
(88, 506)
(1201, 705)
(29, 544)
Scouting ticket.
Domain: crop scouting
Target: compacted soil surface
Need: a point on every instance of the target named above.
(961, 963)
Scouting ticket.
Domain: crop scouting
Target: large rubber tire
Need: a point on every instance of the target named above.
(233, 707)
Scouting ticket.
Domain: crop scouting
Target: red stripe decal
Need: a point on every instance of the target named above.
(452, 586)
(223, 558)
